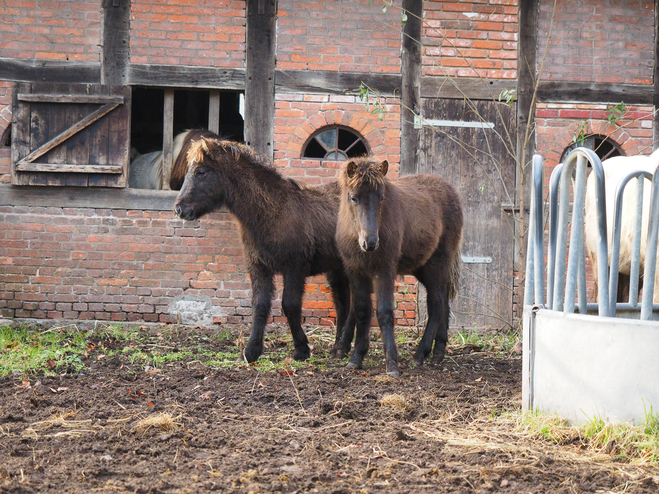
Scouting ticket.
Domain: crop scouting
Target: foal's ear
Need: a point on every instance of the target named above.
(351, 169)
(204, 146)
(384, 167)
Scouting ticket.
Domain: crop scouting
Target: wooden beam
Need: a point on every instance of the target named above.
(68, 168)
(115, 42)
(472, 88)
(167, 138)
(81, 197)
(596, 93)
(411, 87)
(331, 82)
(18, 69)
(261, 18)
(182, 76)
(87, 99)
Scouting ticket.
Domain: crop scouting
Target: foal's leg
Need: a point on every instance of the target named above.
(360, 290)
(345, 320)
(262, 288)
(291, 304)
(385, 313)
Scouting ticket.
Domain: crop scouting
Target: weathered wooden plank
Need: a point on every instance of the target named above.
(597, 93)
(330, 82)
(261, 20)
(411, 86)
(75, 197)
(99, 149)
(57, 140)
(115, 46)
(118, 139)
(68, 168)
(41, 127)
(167, 138)
(655, 93)
(464, 87)
(182, 76)
(18, 69)
(70, 98)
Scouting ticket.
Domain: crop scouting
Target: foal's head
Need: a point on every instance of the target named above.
(363, 185)
(201, 191)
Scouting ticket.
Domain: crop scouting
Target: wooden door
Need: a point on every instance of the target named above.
(468, 144)
(70, 134)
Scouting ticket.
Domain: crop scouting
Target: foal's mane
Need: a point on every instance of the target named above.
(361, 171)
(214, 151)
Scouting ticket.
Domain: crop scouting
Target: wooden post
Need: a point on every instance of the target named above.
(214, 111)
(115, 42)
(655, 95)
(167, 138)
(260, 75)
(411, 87)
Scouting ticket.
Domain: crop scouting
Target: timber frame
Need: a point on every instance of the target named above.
(261, 85)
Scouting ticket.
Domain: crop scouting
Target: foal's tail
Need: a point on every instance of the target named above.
(454, 275)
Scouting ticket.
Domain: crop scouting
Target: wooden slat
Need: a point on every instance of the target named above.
(330, 82)
(214, 111)
(167, 138)
(70, 98)
(20, 132)
(68, 168)
(41, 150)
(464, 87)
(115, 46)
(596, 93)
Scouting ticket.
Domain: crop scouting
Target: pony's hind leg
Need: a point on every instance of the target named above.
(291, 304)
(345, 320)
(262, 288)
(360, 291)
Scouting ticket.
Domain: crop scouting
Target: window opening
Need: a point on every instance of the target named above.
(603, 146)
(191, 110)
(5, 141)
(335, 143)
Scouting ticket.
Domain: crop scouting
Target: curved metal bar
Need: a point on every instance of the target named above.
(559, 275)
(636, 246)
(576, 260)
(617, 222)
(535, 284)
(553, 227)
(651, 246)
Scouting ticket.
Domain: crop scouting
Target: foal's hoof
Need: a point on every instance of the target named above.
(393, 373)
(437, 358)
(252, 353)
(418, 360)
(302, 353)
(354, 364)
(338, 352)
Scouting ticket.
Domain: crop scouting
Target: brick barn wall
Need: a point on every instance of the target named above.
(470, 38)
(606, 41)
(51, 30)
(344, 36)
(188, 32)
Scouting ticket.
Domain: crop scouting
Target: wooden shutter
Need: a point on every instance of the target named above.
(70, 134)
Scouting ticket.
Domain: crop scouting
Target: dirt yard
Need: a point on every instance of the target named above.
(188, 423)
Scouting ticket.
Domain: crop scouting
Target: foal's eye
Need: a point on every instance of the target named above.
(382, 198)
(354, 199)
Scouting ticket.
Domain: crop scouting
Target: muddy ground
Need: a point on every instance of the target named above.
(119, 425)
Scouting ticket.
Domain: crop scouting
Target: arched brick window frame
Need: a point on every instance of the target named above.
(356, 122)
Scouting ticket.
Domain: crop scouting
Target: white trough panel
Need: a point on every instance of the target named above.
(582, 367)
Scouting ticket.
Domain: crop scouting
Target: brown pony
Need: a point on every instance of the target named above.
(409, 226)
(286, 228)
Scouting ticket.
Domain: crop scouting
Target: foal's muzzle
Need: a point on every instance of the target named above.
(369, 243)
(184, 213)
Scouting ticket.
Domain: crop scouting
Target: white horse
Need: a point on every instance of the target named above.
(615, 169)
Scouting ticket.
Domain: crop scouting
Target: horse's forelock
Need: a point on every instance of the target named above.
(365, 173)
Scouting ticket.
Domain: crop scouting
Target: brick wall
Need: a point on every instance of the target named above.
(345, 35)
(605, 41)
(470, 38)
(51, 30)
(188, 32)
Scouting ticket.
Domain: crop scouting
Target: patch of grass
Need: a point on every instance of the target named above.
(623, 441)
(50, 351)
(497, 342)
